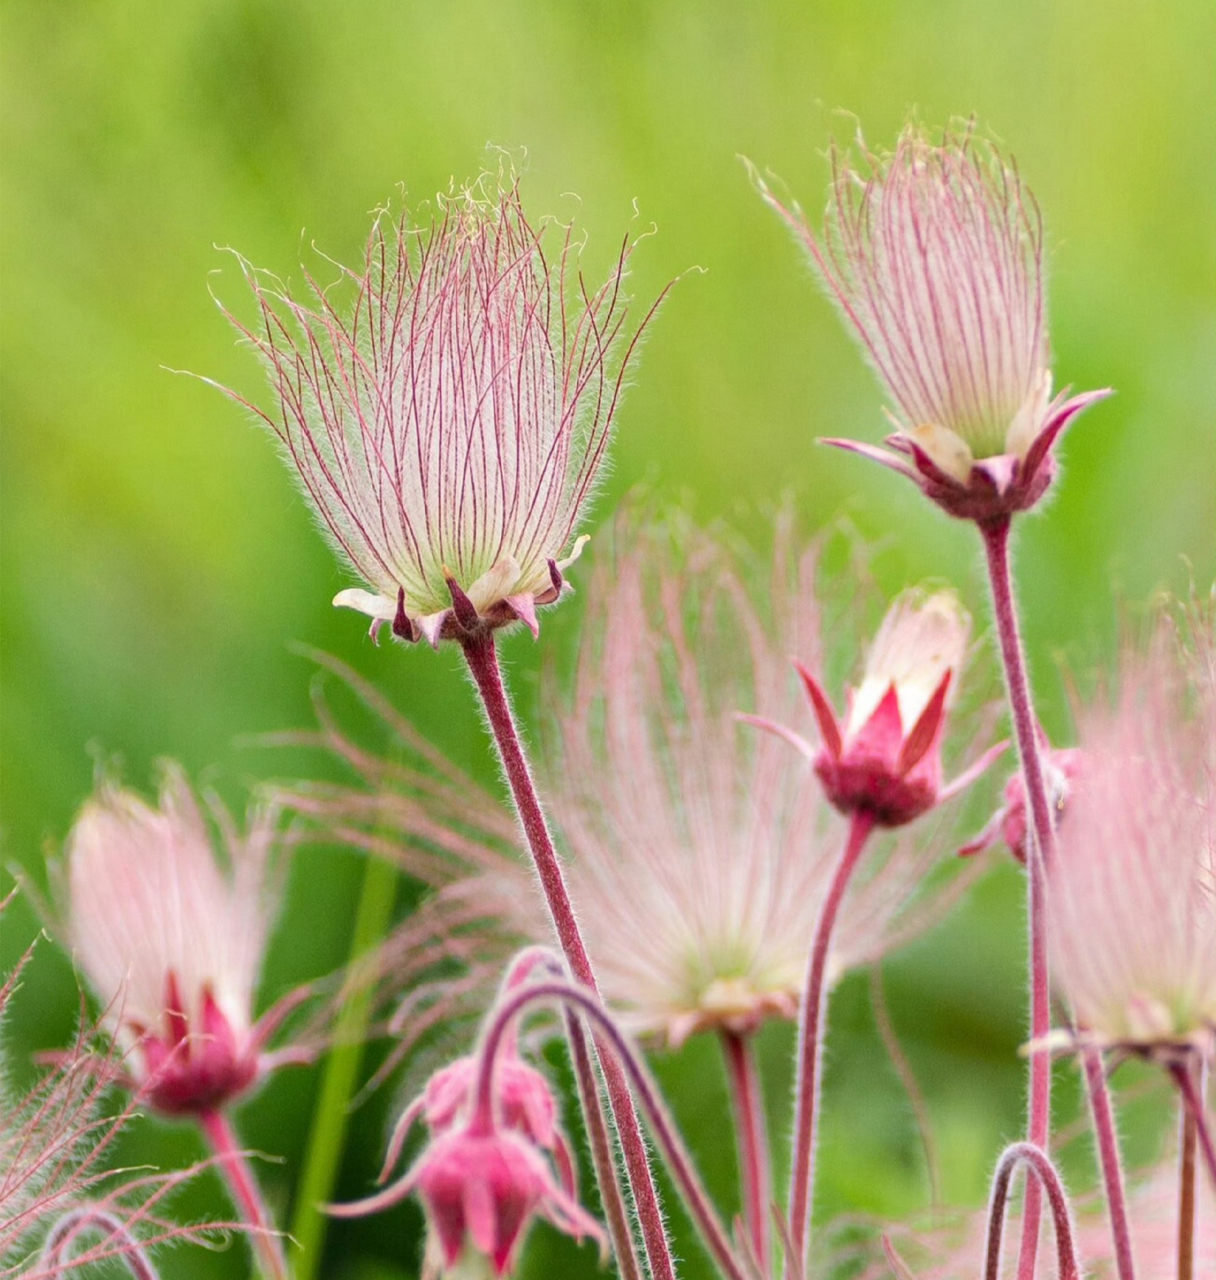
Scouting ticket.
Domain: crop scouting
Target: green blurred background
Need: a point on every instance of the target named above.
(158, 562)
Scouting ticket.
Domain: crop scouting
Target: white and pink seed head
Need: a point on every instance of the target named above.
(934, 255)
(170, 940)
(447, 422)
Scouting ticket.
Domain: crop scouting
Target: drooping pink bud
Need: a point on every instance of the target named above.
(934, 255)
(1061, 769)
(171, 943)
(885, 759)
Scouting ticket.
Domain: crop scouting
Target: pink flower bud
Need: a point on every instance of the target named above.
(934, 255)
(171, 943)
(886, 758)
(523, 1099)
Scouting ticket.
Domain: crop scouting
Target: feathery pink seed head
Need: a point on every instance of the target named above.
(934, 255)
(886, 757)
(1132, 902)
(448, 424)
(170, 941)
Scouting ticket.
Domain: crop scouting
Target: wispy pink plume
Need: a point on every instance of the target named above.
(700, 849)
(1132, 903)
(447, 406)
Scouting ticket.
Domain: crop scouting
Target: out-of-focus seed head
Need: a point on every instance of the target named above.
(448, 421)
(1132, 901)
(934, 254)
(169, 940)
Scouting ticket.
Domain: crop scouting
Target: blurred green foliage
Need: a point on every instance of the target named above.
(158, 561)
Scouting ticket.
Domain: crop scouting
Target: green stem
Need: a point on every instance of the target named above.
(325, 1140)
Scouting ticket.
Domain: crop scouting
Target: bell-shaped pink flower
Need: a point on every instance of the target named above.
(885, 758)
(934, 255)
(171, 942)
(447, 422)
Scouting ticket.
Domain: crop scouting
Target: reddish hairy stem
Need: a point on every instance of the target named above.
(245, 1193)
(600, 1141)
(811, 1023)
(611, 1041)
(482, 656)
(1039, 853)
(1184, 1078)
(751, 1133)
(1108, 1156)
(56, 1253)
(1044, 1175)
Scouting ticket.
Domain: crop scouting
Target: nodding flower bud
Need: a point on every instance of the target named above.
(885, 759)
(1061, 769)
(934, 255)
(448, 424)
(171, 943)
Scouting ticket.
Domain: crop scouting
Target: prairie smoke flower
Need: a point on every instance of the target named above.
(1132, 903)
(934, 254)
(171, 942)
(885, 759)
(447, 425)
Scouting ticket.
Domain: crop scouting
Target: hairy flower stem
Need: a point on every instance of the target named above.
(1108, 1156)
(1043, 1173)
(599, 1139)
(751, 1133)
(1192, 1100)
(616, 1048)
(811, 1027)
(245, 1193)
(1186, 1197)
(1039, 853)
(482, 656)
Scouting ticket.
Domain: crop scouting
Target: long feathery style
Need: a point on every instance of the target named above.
(447, 422)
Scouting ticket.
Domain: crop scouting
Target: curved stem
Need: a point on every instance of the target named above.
(1045, 1176)
(751, 1134)
(1108, 1156)
(612, 1040)
(245, 1193)
(811, 1023)
(56, 1252)
(482, 656)
(1039, 854)
(1184, 1078)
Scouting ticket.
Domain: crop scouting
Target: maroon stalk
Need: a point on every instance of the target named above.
(811, 1024)
(751, 1133)
(1184, 1078)
(1039, 853)
(1108, 1157)
(1041, 1173)
(245, 1193)
(482, 656)
(1186, 1197)
(617, 1049)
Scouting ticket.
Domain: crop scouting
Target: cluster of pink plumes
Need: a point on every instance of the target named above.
(711, 834)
